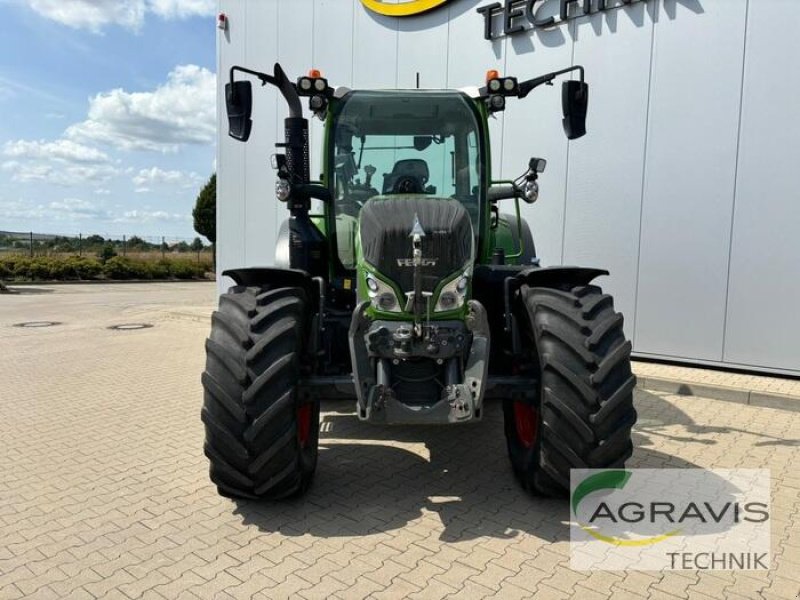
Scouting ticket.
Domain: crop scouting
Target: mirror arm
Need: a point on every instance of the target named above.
(526, 87)
(312, 190)
(503, 192)
(280, 81)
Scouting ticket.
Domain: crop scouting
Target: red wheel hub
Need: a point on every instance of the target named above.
(527, 423)
(304, 413)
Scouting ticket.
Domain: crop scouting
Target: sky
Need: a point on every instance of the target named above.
(107, 115)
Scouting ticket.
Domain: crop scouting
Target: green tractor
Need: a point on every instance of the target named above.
(408, 291)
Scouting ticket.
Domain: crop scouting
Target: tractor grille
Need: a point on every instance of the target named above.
(417, 382)
(385, 227)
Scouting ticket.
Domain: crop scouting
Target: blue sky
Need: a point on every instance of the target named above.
(108, 114)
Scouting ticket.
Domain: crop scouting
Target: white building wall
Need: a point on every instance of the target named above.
(684, 187)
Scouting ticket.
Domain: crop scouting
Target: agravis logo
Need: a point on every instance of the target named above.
(405, 8)
(609, 480)
(654, 519)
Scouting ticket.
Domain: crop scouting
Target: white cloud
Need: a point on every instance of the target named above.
(62, 162)
(68, 209)
(92, 14)
(95, 15)
(154, 175)
(75, 208)
(146, 216)
(142, 190)
(21, 209)
(62, 150)
(59, 174)
(182, 111)
(181, 9)
(102, 191)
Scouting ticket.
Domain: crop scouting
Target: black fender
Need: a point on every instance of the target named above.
(314, 288)
(280, 277)
(274, 276)
(552, 277)
(559, 276)
(529, 247)
(497, 287)
(490, 281)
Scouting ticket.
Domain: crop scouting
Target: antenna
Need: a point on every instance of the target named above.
(417, 79)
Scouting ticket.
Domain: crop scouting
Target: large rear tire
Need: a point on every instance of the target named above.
(261, 439)
(583, 412)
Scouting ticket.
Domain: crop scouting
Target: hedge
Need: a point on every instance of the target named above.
(68, 268)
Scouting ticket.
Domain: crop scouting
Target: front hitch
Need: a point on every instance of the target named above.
(378, 348)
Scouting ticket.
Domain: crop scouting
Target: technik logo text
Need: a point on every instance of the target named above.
(681, 518)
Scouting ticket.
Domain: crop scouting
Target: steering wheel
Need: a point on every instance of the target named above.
(407, 184)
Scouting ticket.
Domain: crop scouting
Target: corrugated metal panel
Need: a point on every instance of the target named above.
(230, 154)
(261, 51)
(604, 189)
(689, 178)
(763, 326)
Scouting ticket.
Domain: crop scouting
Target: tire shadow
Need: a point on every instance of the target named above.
(374, 479)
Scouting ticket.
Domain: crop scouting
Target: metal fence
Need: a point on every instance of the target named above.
(136, 246)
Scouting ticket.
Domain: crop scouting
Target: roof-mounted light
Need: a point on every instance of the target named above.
(312, 84)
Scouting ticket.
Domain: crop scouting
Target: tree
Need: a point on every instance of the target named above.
(197, 244)
(108, 252)
(94, 240)
(137, 243)
(205, 210)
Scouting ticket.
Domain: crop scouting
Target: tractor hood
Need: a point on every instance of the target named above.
(386, 224)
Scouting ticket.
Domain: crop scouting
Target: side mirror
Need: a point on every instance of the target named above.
(574, 104)
(239, 106)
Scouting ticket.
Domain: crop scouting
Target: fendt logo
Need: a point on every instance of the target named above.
(404, 8)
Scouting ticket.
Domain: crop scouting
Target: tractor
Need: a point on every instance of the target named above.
(399, 284)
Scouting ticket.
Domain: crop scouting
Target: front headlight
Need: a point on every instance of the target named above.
(382, 295)
(282, 189)
(453, 294)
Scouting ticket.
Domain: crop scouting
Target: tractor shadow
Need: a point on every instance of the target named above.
(658, 418)
(373, 479)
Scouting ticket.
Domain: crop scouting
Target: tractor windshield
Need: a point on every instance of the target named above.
(403, 142)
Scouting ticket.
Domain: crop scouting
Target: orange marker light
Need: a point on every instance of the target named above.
(492, 74)
(314, 73)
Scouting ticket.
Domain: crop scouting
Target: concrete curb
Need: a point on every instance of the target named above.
(720, 392)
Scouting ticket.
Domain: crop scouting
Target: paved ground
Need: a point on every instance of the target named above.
(104, 491)
(759, 390)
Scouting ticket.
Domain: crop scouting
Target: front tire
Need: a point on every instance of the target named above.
(583, 413)
(261, 439)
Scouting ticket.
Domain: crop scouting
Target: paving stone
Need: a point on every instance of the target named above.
(105, 490)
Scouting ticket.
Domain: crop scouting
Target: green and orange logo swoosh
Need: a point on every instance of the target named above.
(404, 8)
(610, 480)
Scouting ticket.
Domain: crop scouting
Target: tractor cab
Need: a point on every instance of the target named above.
(387, 148)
